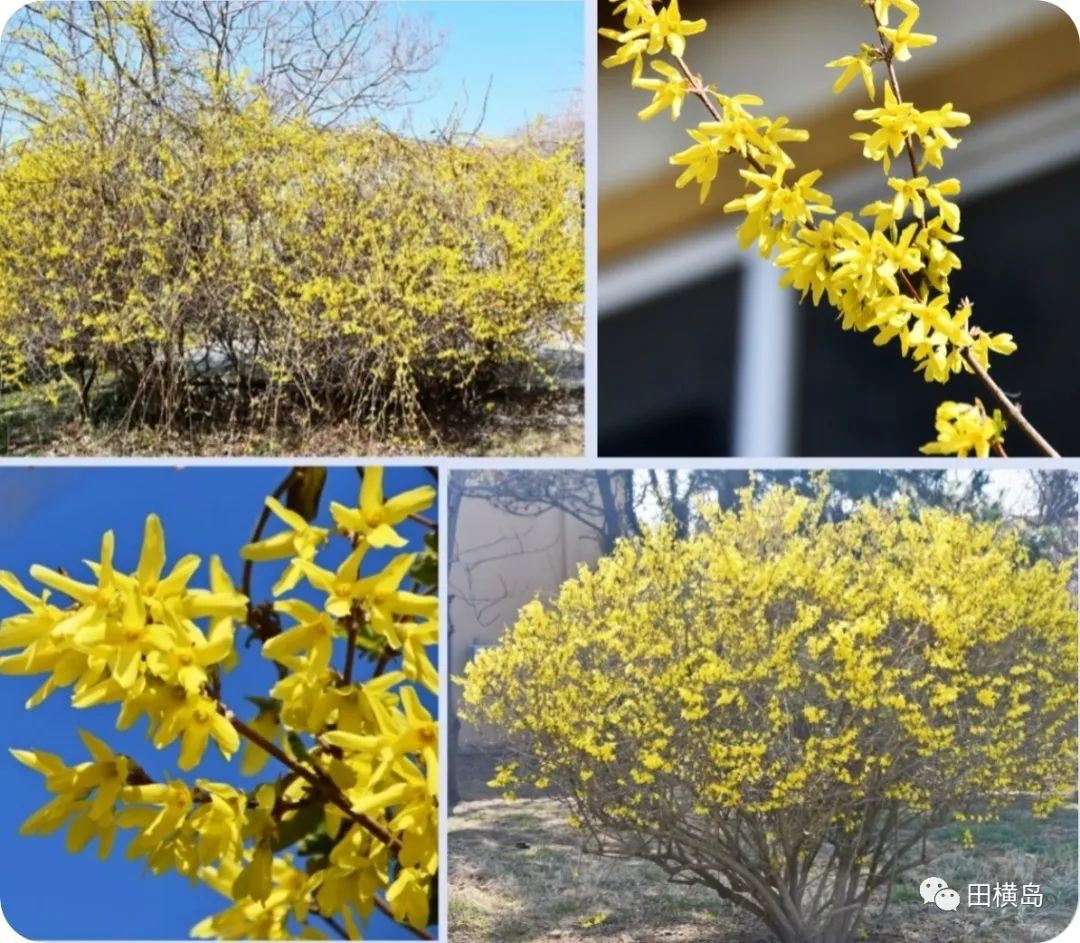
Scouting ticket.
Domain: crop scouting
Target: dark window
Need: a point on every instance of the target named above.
(1019, 268)
(665, 372)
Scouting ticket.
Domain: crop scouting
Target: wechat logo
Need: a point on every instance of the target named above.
(936, 891)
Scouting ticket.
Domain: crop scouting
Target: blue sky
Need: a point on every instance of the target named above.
(56, 516)
(532, 51)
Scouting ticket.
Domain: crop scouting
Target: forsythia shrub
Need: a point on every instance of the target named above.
(348, 820)
(889, 276)
(345, 274)
(780, 707)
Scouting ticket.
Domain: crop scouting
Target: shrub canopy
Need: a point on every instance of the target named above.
(780, 706)
(223, 248)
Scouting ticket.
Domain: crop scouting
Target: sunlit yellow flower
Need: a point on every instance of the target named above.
(670, 29)
(195, 719)
(964, 428)
(862, 64)
(935, 196)
(415, 640)
(408, 895)
(385, 600)
(668, 92)
(374, 520)
(895, 121)
(702, 160)
(903, 40)
(313, 634)
(299, 542)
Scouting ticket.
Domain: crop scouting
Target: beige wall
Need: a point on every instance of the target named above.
(993, 58)
(777, 49)
(500, 562)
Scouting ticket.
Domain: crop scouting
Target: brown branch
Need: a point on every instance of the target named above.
(981, 372)
(1011, 409)
(325, 788)
(700, 92)
(384, 660)
(382, 906)
(264, 517)
(350, 651)
(332, 924)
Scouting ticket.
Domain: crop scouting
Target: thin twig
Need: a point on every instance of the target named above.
(384, 660)
(350, 650)
(327, 789)
(890, 69)
(418, 932)
(264, 516)
(332, 924)
(701, 92)
(1008, 405)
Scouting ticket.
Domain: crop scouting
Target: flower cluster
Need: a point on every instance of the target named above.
(132, 639)
(963, 428)
(740, 701)
(888, 275)
(350, 821)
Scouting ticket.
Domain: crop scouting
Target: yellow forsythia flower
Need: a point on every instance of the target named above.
(964, 428)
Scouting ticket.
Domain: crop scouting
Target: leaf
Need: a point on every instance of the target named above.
(318, 843)
(425, 570)
(264, 704)
(300, 823)
(298, 747)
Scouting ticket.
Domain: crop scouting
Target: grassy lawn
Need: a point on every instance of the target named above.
(518, 875)
(526, 425)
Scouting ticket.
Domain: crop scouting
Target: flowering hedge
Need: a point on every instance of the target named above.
(780, 707)
(226, 259)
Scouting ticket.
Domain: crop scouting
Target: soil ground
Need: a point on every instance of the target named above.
(518, 875)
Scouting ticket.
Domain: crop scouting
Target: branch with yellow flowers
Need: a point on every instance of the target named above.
(325, 787)
(358, 800)
(867, 275)
(888, 55)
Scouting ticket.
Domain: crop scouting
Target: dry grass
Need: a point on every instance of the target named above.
(518, 875)
(525, 425)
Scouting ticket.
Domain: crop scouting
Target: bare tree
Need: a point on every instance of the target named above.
(602, 501)
(549, 132)
(325, 62)
(1053, 521)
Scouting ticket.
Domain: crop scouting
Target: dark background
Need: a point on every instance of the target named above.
(661, 395)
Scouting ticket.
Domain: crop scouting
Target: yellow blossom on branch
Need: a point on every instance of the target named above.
(894, 280)
(963, 429)
(375, 517)
(364, 822)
